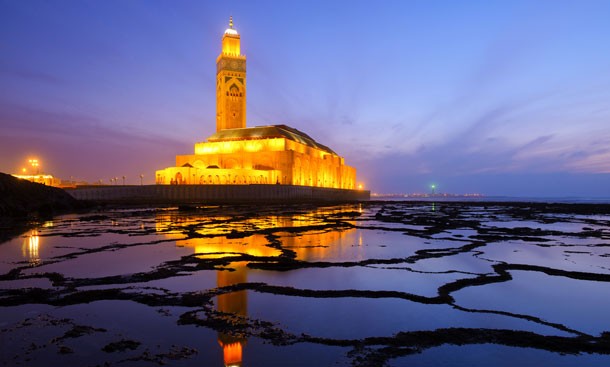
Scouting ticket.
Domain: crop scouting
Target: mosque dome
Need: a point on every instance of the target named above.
(231, 31)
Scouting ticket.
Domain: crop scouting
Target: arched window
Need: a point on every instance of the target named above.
(234, 91)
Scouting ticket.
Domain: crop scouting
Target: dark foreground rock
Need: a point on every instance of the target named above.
(20, 198)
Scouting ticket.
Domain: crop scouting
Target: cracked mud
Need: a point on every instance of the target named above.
(379, 283)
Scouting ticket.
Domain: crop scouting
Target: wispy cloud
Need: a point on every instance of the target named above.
(22, 120)
(30, 75)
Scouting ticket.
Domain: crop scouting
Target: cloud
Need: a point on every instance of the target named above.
(22, 120)
(79, 145)
(31, 75)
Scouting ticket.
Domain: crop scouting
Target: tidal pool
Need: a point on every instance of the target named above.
(371, 284)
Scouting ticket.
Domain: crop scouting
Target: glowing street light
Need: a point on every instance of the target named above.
(35, 164)
(433, 189)
(141, 177)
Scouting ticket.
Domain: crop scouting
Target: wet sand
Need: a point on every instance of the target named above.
(378, 283)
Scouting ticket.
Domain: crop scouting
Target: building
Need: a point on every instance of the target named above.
(34, 174)
(48, 180)
(238, 155)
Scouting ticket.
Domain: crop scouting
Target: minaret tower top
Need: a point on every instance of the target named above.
(230, 82)
(230, 41)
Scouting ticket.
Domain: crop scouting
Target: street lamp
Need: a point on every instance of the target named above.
(35, 164)
(123, 180)
(141, 177)
(433, 188)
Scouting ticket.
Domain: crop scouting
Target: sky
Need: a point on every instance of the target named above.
(493, 97)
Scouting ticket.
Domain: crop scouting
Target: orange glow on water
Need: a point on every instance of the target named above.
(232, 354)
(214, 244)
(235, 303)
(309, 244)
(31, 247)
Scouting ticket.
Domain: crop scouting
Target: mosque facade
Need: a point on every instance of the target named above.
(240, 155)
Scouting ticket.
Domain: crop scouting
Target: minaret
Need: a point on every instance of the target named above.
(230, 83)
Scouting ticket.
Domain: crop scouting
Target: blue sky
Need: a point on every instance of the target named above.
(495, 97)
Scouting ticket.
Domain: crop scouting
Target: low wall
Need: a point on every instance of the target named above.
(214, 194)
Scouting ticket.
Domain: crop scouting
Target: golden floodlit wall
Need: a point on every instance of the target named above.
(41, 179)
(265, 161)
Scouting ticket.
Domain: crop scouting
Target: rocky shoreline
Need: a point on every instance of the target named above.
(23, 204)
(22, 198)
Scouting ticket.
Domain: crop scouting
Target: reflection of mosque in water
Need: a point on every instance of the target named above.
(30, 247)
(317, 245)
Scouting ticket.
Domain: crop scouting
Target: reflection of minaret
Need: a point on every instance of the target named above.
(234, 303)
(308, 245)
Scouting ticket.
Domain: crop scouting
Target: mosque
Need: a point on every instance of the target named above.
(240, 155)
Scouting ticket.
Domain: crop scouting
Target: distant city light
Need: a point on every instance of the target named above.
(35, 164)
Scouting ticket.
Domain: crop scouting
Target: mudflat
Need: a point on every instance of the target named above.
(368, 284)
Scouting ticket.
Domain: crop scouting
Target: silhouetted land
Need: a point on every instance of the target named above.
(23, 203)
(19, 198)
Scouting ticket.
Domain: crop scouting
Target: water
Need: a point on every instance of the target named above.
(394, 283)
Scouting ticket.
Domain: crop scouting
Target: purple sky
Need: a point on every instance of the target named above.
(496, 97)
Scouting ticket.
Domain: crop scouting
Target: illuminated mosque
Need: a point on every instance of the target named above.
(240, 155)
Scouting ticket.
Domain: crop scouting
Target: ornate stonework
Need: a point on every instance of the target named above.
(230, 83)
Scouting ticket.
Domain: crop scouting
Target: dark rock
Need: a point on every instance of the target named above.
(65, 350)
(21, 198)
(121, 346)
